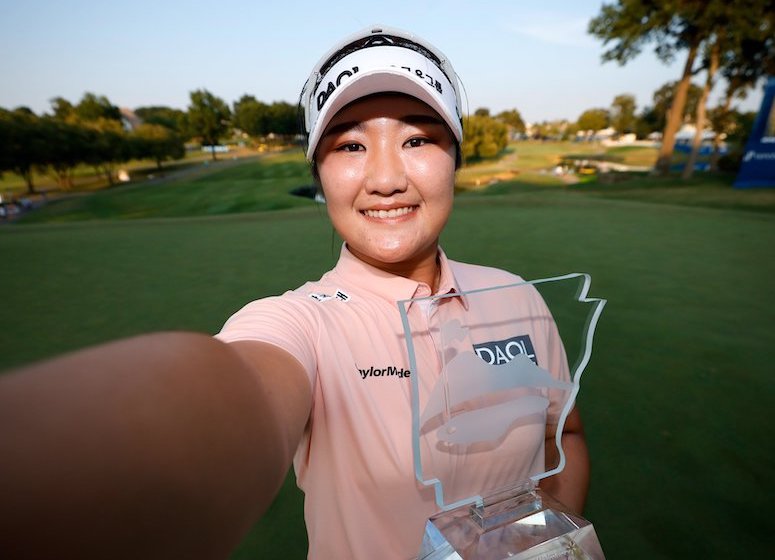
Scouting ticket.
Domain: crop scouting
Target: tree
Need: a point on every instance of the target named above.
(158, 143)
(108, 144)
(750, 59)
(743, 126)
(623, 113)
(727, 124)
(700, 124)
(482, 112)
(664, 98)
(512, 119)
(738, 33)
(66, 146)
(251, 116)
(673, 27)
(743, 65)
(593, 120)
(259, 119)
(23, 144)
(173, 119)
(653, 118)
(93, 108)
(646, 122)
(711, 31)
(62, 109)
(559, 129)
(283, 118)
(208, 117)
(485, 137)
(90, 132)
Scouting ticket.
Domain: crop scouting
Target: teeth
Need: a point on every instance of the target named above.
(392, 213)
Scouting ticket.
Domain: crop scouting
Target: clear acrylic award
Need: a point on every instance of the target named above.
(491, 388)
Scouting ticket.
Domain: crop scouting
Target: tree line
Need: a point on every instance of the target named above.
(733, 39)
(90, 132)
(94, 132)
(624, 118)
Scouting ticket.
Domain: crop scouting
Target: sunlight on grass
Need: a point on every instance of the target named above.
(532, 161)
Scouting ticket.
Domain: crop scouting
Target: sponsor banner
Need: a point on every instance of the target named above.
(757, 168)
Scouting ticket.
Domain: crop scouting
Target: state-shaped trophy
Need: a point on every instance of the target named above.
(491, 389)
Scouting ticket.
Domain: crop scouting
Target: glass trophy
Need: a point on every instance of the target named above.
(491, 388)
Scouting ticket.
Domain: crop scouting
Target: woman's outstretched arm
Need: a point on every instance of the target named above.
(162, 446)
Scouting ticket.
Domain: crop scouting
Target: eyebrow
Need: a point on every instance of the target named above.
(343, 127)
(422, 119)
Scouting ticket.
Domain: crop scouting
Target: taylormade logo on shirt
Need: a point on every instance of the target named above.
(390, 371)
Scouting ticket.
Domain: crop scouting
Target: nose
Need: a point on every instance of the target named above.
(386, 172)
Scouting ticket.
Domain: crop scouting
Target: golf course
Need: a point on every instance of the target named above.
(680, 384)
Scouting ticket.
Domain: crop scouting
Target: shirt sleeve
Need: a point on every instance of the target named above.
(281, 321)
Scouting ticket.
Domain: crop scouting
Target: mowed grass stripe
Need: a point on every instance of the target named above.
(224, 187)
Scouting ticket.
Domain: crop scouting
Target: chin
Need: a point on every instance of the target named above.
(396, 252)
(387, 256)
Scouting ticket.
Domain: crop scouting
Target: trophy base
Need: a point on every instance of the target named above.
(525, 524)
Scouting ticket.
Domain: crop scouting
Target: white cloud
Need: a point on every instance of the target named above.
(567, 32)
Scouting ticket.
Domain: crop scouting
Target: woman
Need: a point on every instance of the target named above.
(190, 438)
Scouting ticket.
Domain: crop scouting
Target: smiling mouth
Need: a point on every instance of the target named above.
(392, 213)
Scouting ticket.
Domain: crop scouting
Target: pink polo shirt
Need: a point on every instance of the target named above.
(355, 462)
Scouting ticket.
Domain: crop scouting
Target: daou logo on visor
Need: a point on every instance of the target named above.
(382, 62)
(323, 96)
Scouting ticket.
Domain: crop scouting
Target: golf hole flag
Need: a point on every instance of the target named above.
(758, 166)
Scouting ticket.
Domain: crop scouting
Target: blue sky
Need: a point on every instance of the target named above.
(531, 55)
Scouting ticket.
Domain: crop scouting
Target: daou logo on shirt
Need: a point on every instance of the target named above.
(501, 351)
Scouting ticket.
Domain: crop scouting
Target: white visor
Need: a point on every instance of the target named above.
(380, 68)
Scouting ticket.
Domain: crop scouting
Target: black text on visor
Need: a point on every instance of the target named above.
(378, 41)
(356, 70)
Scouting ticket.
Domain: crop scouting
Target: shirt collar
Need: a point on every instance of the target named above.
(390, 286)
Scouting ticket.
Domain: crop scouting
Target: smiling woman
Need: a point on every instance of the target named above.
(387, 168)
(152, 439)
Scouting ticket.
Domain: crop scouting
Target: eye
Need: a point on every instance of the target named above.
(417, 142)
(350, 147)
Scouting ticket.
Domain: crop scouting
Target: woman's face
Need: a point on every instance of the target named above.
(387, 168)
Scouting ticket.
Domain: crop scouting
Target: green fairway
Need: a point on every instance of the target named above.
(210, 188)
(676, 398)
